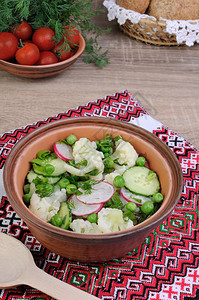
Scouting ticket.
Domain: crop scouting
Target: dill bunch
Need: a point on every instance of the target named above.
(56, 14)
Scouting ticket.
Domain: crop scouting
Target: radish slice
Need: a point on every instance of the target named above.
(100, 193)
(124, 201)
(63, 151)
(130, 197)
(80, 209)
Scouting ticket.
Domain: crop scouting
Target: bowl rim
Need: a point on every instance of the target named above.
(80, 50)
(25, 213)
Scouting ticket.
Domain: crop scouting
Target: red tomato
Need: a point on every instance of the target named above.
(44, 38)
(8, 45)
(28, 55)
(72, 35)
(22, 31)
(47, 58)
(62, 51)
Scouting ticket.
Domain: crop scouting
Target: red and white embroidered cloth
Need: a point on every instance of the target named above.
(164, 267)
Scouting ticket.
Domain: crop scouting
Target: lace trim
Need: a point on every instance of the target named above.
(185, 31)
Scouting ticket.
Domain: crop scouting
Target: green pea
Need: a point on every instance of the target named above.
(106, 155)
(140, 161)
(49, 169)
(147, 207)
(26, 199)
(118, 181)
(92, 218)
(71, 139)
(56, 220)
(26, 188)
(131, 206)
(71, 189)
(63, 183)
(158, 197)
(109, 163)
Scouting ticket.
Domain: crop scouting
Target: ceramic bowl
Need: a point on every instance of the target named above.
(35, 71)
(92, 247)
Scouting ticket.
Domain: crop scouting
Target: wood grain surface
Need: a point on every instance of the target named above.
(165, 80)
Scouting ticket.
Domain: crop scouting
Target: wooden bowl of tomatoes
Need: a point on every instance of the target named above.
(36, 53)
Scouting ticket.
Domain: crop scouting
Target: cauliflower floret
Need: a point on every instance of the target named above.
(83, 148)
(81, 226)
(125, 154)
(86, 150)
(111, 220)
(45, 208)
(121, 169)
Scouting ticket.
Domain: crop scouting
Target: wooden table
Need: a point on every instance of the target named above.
(164, 80)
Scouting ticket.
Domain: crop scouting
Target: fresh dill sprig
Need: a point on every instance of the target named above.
(93, 53)
(56, 14)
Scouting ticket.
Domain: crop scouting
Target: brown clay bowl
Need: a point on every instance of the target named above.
(92, 247)
(35, 71)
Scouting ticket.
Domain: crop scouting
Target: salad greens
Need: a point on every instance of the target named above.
(118, 193)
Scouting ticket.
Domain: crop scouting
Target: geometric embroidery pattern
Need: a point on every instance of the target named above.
(164, 266)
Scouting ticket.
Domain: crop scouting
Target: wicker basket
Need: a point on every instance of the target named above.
(149, 31)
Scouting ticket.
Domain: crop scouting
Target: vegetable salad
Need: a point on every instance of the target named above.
(92, 187)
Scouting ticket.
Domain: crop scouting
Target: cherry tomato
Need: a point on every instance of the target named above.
(8, 45)
(72, 35)
(47, 58)
(62, 51)
(28, 55)
(44, 38)
(22, 31)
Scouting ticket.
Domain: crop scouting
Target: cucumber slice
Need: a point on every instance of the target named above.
(141, 180)
(58, 164)
(65, 213)
(32, 175)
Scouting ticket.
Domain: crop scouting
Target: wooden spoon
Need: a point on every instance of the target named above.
(17, 267)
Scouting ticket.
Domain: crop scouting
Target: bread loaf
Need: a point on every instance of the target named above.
(174, 9)
(136, 5)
